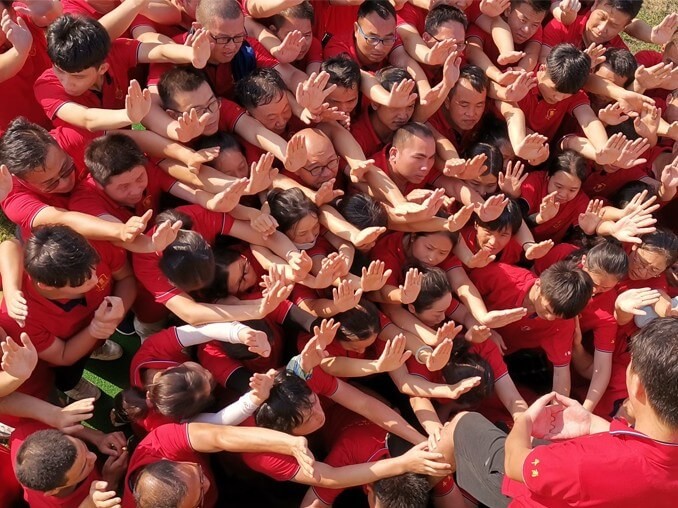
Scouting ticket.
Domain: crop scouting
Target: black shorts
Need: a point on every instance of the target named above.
(479, 455)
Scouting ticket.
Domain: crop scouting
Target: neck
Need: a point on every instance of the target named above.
(51, 293)
(400, 182)
(650, 425)
(531, 295)
(383, 132)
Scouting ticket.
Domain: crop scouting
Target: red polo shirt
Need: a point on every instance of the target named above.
(479, 36)
(84, 8)
(555, 33)
(461, 141)
(546, 118)
(365, 135)
(333, 19)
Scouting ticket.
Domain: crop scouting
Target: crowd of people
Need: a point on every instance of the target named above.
(422, 247)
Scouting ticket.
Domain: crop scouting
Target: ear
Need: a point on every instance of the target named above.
(54, 492)
(173, 114)
(355, 29)
(103, 68)
(583, 260)
(635, 387)
(392, 153)
(427, 37)
(410, 307)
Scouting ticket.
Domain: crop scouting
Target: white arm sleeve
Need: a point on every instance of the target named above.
(233, 414)
(225, 332)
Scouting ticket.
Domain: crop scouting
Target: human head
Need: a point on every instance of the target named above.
(392, 118)
(566, 174)
(297, 216)
(445, 22)
(233, 273)
(188, 262)
(358, 327)
(654, 255)
(78, 47)
(407, 490)
(118, 165)
(670, 53)
(184, 88)
(225, 23)
(607, 264)
(619, 67)
(652, 375)
(435, 296)
(33, 155)
(608, 18)
(181, 392)
(561, 292)
(264, 95)
(493, 236)
(345, 73)
(485, 184)
(58, 258)
(630, 190)
(525, 17)
(169, 484)
(49, 461)
(291, 407)
(465, 366)
(363, 212)
(231, 159)
(465, 104)
(495, 133)
(565, 73)
(412, 152)
(430, 248)
(375, 31)
(322, 162)
(298, 17)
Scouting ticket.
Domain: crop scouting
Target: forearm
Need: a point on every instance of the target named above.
(11, 265)
(510, 396)
(11, 62)
(331, 219)
(320, 307)
(168, 53)
(639, 29)
(22, 405)
(224, 332)
(8, 384)
(358, 474)
(126, 290)
(561, 380)
(195, 313)
(97, 119)
(379, 413)
(425, 413)
(75, 348)
(517, 447)
(253, 132)
(341, 366)
(117, 21)
(405, 320)
(602, 366)
(414, 44)
(582, 361)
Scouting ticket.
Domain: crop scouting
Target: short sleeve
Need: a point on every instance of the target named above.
(50, 94)
(323, 383)
(279, 467)
(229, 114)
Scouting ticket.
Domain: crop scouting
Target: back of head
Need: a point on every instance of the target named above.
(179, 79)
(57, 256)
(44, 459)
(405, 133)
(434, 285)
(631, 190)
(568, 68)
(160, 485)
(343, 71)
(188, 262)
(510, 219)
(289, 400)
(214, 10)
(24, 147)
(622, 62)
(662, 241)
(407, 490)
(469, 365)
(569, 162)
(222, 140)
(358, 323)
(654, 358)
(180, 392)
(382, 8)
(289, 206)
(363, 212)
(389, 77)
(442, 14)
(112, 155)
(76, 43)
(261, 87)
(567, 289)
(608, 256)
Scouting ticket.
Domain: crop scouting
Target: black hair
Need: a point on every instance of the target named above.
(403, 135)
(224, 257)
(568, 68)
(409, 490)
(303, 10)
(183, 78)
(208, 10)
(654, 358)
(261, 87)
(630, 7)
(381, 8)
(569, 162)
(537, 5)
(343, 71)
(434, 285)
(160, 485)
(626, 128)
(44, 459)
(76, 43)
(442, 14)
(662, 241)
(221, 139)
(389, 77)
(631, 190)
(495, 160)
(289, 206)
(362, 211)
(173, 215)
(112, 155)
(24, 147)
(474, 75)
(610, 257)
(188, 262)
(57, 256)
(284, 409)
(358, 323)
(567, 289)
(470, 365)
(622, 62)
(511, 218)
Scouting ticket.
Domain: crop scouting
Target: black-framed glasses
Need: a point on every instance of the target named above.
(225, 40)
(65, 172)
(373, 40)
(332, 165)
(212, 107)
(461, 46)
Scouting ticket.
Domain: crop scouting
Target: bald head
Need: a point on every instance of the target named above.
(320, 154)
(217, 9)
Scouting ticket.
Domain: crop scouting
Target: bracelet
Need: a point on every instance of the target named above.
(294, 367)
(422, 348)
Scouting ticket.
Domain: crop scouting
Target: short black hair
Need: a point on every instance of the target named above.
(610, 257)
(569, 162)
(76, 43)
(630, 7)
(442, 14)
(654, 358)
(474, 75)
(567, 289)
(568, 67)
(622, 62)
(188, 262)
(44, 459)
(537, 5)
(405, 133)
(289, 206)
(468, 365)
(223, 140)
(261, 87)
(112, 155)
(434, 285)
(363, 211)
(57, 256)
(495, 160)
(24, 147)
(389, 77)
(343, 71)
(381, 8)
(284, 409)
(409, 490)
(183, 78)
(303, 10)
(511, 218)
(358, 323)
(630, 190)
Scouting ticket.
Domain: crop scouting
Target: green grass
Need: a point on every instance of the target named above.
(653, 12)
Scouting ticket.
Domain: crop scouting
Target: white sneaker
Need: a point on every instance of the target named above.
(107, 352)
(83, 390)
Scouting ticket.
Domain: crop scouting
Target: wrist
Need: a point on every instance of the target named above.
(422, 354)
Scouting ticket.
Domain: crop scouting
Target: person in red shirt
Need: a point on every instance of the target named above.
(589, 459)
(552, 301)
(126, 22)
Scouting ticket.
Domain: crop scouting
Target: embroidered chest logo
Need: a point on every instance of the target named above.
(102, 282)
(550, 114)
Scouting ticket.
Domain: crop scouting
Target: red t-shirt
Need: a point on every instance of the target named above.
(546, 118)
(333, 19)
(533, 190)
(84, 8)
(381, 161)
(621, 468)
(412, 15)
(122, 58)
(504, 286)
(169, 442)
(37, 499)
(479, 36)
(88, 196)
(146, 266)
(555, 33)
(16, 98)
(511, 254)
(23, 203)
(461, 141)
(365, 135)
(345, 43)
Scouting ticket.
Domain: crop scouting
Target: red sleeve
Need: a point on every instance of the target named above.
(532, 191)
(338, 45)
(557, 253)
(21, 206)
(279, 467)
(473, 12)
(156, 70)
(555, 32)
(383, 251)
(558, 347)
(229, 114)
(158, 177)
(579, 99)
(124, 54)
(315, 52)
(301, 293)
(151, 277)
(114, 257)
(264, 58)
(648, 58)
(214, 359)
(323, 383)
(490, 353)
(451, 262)
(477, 33)
(50, 94)
(417, 369)
(208, 223)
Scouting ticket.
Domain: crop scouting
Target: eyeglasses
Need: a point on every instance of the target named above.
(461, 46)
(373, 40)
(225, 40)
(245, 271)
(647, 267)
(318, 170)
(212, 107)
(64, 173)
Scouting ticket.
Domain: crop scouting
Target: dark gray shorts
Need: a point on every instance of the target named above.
(479, 455)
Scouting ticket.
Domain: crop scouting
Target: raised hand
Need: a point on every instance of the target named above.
(500, 318)
(331, 268)
(510, 183)
(262, 173)
(409, 290)
(569, 6)
(421, 461)
(260, 386)
(465, 169)
(632, 301)
(165, 234)
(227, 199)
(314, 351)
(359, 171)
(17, 32)
(517, 90)
(459, 219)
(439, 356)
(311, 94)
(68, 419)
(256, 341)
(202, 49)
(137, 102)
(630, 228)
(401, 95)
(115, 467)
(463, 386)
(303, 455)
(438, 53)
(662, 33)
(394, 354)
(451, 69)
(189, 126)
(327, 193)
(200, 157)
(499, 341)
(612, 114)
(345, 297)
(597, 54)
(448, 330)
(533, 148)
(548, 208)
(18, 361)
(274, 296)
(480, 259)
(491, 208)
(296, 154)
(494, 8)
(631, 152)
(17, 306)
(374, 276)
(612, 149)
(539, 249)
(646, 124)
(289, 49)
(102, 497)
(478, 333)
(368, 236)
(301, 264)
(640, 203)
(508, 76)
(653, 77)
(589, 220)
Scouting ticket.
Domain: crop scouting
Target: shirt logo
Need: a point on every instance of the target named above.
(535, 462)
(102, 282)
(525, 328)
(535, 473)
(550, 114)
